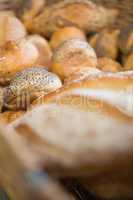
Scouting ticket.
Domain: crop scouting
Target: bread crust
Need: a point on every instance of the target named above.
(79, 13)
(73, 55)
(77, 94)
(14, 57)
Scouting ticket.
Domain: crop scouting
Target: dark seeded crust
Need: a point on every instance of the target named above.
(29, 84)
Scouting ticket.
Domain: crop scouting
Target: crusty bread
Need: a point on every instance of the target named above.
(14, 57)
(109, 65)
(107, 89)
(73, 55)
(65, 34)
(80, 13)
(81, 143)
(45, 53)
(28, 85)
(10, 116)
(11, 28)
(85, 130)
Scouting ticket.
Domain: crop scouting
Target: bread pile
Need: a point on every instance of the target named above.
(66, 96)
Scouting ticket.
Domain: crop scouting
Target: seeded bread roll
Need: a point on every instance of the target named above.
(28, 85)
(73, 55)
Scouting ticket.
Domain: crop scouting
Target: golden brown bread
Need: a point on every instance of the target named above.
(44, 50)
(7, 13)
(11, 28)
(80, 13)
(33, 183)
(80, 74)
(99, 112)
(105, 43)
(108, 65)
(85, 129)
(126, 39)
(1, 98)
(15, 57)
(10, 116)
(73, 55)
(128, 62)
(104, 64)
(100, 88)
(65, 34)
(31, 8)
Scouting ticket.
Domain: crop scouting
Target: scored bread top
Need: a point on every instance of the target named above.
(105, 91)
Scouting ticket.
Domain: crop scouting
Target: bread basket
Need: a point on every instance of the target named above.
(20, 176)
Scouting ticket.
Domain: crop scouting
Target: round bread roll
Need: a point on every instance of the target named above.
(1, 98)
(15, 57)
(105, 43)
(128, 62)
(65, 34)
(28, 85)
(9, 116)
(108, 65)
(73, 55)
(45, 53)
(126, 39)
(11, 28)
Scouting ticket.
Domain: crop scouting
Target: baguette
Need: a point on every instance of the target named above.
(108, 88)
(84, 130)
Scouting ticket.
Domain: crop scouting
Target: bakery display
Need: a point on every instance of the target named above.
(66, 99)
